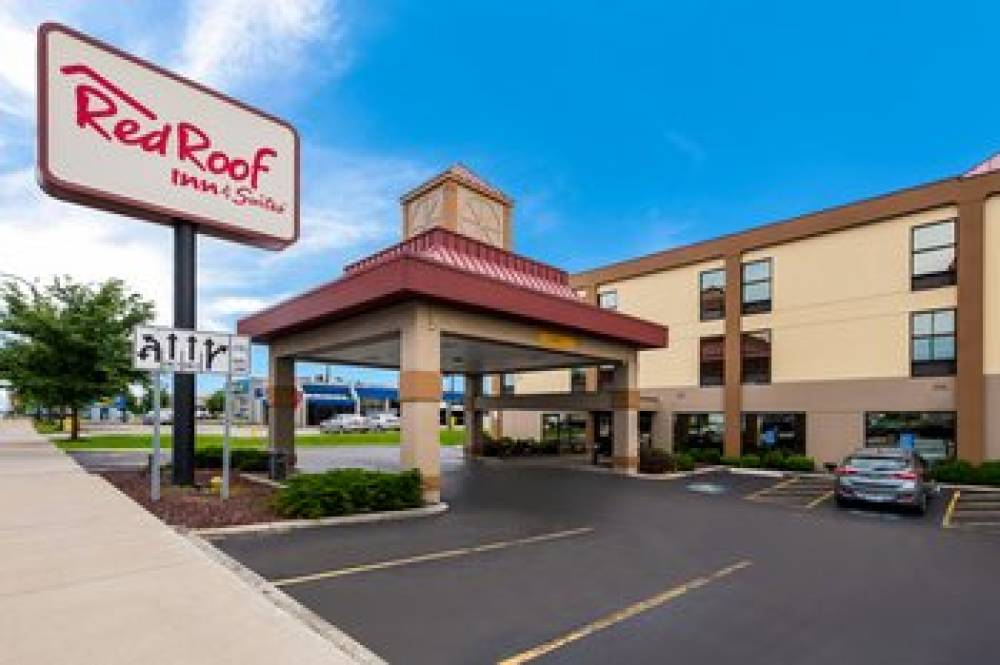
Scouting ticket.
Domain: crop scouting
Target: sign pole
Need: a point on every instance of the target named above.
(185, 314)
(227, 420)
(154, 473)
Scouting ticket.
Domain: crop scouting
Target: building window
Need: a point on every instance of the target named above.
(766, 432)
(605, 377)
(755, 356)
(932, 343)
(712, 365)
(929, 433)
(507, 385)
(712, 287)
(756, 286)
(607, 300)
(934, 250)
(578, 380)
(698, 430)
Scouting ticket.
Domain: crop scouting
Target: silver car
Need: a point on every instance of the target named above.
(344, 422)
(893, 476)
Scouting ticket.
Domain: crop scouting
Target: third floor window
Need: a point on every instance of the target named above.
(756, 284)
(934, 252)
(607, 300)
(712, 288)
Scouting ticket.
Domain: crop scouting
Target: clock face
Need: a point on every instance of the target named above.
(480, 218)
(426, 211)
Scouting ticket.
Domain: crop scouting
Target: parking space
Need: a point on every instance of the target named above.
(975, 510)
(806, 492)
(549, 566)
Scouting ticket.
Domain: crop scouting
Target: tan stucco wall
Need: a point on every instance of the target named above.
(669, 298)
(841, 302)
(991, 287)
(550, 381)
(522, 424)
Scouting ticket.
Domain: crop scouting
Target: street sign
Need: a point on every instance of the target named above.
(121, 134)
(190, 351)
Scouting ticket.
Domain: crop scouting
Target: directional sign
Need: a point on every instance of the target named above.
(190, 351)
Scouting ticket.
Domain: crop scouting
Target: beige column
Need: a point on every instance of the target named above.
(420, 399)
(625, 420)
(473, 423)
(281, 427)
(732, 393)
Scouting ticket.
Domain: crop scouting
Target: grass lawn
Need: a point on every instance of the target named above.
(391, 438)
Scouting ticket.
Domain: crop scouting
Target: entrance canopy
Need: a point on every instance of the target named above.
(441, 302)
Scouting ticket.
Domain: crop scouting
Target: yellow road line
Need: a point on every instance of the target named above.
(946, 522)
(818, 500)
(784, 483)
(621, 615)
(431, 556)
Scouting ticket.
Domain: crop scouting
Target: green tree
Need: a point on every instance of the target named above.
(69, 344)
(216, 402)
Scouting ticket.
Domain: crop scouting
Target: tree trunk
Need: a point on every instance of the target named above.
(75, 424)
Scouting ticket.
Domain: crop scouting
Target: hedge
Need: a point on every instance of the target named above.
(254, 460)
(507, 447)
(655, 460)
(963, 473)
(348, 491)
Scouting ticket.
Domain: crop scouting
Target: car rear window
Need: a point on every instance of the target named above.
(878, 463)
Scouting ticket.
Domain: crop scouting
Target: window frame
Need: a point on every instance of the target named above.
(613, 293)
(701, 295)
(939, 279)
(701, 361)
(744, 310)
(770, 357)
(934, 367)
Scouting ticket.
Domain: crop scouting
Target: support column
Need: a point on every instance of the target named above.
(971, 382)
(732, 397)
(281, 419)
(473, 423)
(625, 419)
(420, 399)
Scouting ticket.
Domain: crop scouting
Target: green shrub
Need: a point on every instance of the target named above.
(988, 473)
(711, 456)
(683, 462)
(800, 463)
(655, 460)
(254, 460)
(953, 471)
(750, 461)
(730, 460)
(773, 459)
(348, 491)
(48, 426)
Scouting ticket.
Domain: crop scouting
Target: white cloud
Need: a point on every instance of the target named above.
(17, 75)
(227, 42)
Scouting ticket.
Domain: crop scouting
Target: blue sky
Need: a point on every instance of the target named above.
(619, 129)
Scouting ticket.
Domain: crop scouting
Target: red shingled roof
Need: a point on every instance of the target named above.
(445, 266)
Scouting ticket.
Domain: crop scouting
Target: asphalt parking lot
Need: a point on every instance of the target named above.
(558, 566)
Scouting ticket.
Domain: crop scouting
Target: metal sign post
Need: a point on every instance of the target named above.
(186, 353)
(226, 420)
(154, 472)
(185, 308)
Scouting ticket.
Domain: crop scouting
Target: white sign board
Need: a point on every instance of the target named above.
(190, 351)
(121, 134)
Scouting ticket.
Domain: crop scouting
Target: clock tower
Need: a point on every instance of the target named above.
(460, 201)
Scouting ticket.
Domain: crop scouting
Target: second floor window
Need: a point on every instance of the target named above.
(578, 380)
(607, 300)
(756, 286)
(932, 343)
(755, 355)
(508, 386)
(712, 366)
(712, 288)
(934, 251)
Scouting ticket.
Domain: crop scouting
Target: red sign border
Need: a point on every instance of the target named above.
(111, 202)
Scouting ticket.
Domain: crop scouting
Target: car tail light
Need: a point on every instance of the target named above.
(905, 475)
(845, 471)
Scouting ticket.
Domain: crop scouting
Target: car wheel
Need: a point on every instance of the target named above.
(842, 502)
(921, 507)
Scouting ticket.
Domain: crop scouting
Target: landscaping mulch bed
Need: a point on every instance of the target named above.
(198, 506)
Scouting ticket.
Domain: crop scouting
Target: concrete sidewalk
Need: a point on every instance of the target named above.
(88, 576)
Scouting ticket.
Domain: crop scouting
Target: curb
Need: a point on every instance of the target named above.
(762, 473)
(340, 640)
(343, 520)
